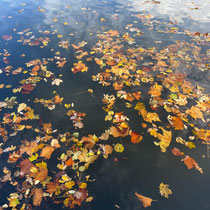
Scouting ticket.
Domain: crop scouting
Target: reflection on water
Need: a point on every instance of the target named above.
(142, 167)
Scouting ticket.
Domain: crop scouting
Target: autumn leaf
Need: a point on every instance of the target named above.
(29, 147)
(190, 163)
(47, 152)
(79, 67)
(69, 162)
(21, 107)
(57, 81)
(58, 99)
(177, 123)
(52, 187)
(146, 202)
(164, 190)
(25, 166)
(37, 196)
(195, 112)
(177, 152)
(165, 139)
(135, 137)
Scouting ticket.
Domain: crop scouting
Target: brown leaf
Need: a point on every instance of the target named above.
(37, 196)
(47, 152)
(29, 148)
(146, 202)
(190, 163)
(25, 166)
(52, 187)
(88, 141)
(176, 152)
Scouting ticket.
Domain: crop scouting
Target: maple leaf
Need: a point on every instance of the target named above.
(135, 137)
(190, 163)
(177, 123)
(149, 116)
(47, 152)
(165, 139)
(177, 152)
(146, 201)
(164, 190)
(195, 112)
(25, 166)
(37, 196)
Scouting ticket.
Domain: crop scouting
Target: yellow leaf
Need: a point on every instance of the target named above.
(164, 190)
(83, 185)
(118, 147)
(33, 157)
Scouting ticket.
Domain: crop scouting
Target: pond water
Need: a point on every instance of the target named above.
(158, 40)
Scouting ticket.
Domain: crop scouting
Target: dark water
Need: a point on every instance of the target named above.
(142, 167)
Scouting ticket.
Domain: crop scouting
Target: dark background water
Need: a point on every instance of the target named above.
(141, 168)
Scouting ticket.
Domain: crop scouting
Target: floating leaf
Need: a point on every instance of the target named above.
(146, 201)
(164, 190)
(118, 147)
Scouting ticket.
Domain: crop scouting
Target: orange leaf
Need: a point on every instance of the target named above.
(57, 99)
(135, 137)
(47, 152)
(146, 202)
(195, 112)
(176, 152)
(177, 123)
(69, 162)
(190, 163)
